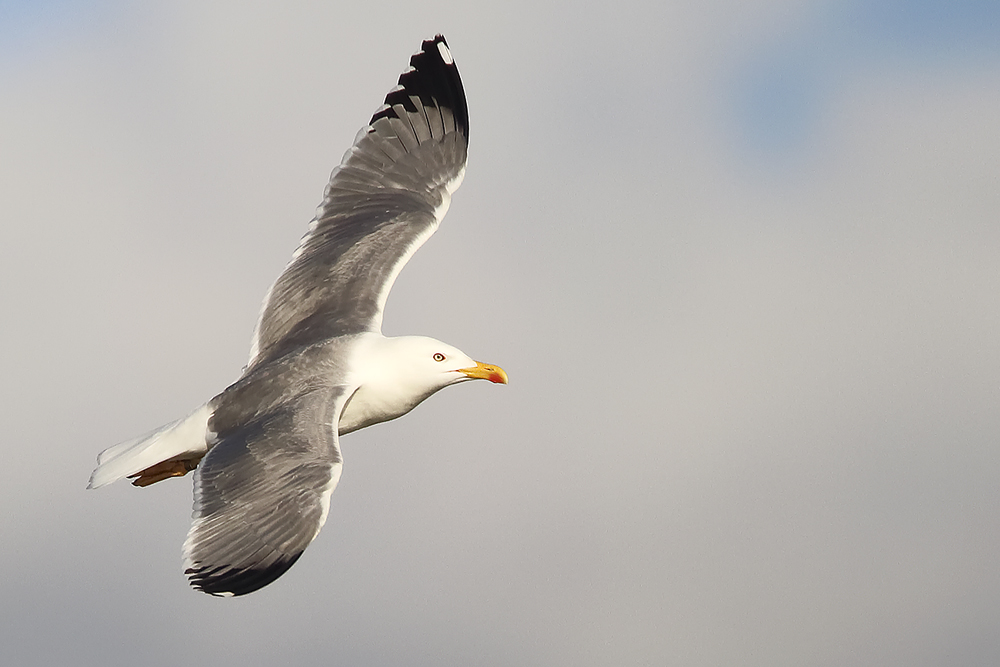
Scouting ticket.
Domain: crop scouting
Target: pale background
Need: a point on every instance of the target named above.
(740, 260)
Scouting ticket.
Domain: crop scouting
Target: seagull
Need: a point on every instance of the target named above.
(266, 451)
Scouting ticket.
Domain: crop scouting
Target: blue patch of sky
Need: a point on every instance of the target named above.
(954, 30)
(29, 27)
(778, 93)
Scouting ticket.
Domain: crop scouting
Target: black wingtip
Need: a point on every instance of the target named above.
(232, 582)
(434, 78)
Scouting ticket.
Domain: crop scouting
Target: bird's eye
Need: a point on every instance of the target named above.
(438, 356)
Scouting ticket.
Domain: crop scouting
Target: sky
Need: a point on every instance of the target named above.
(741, 261)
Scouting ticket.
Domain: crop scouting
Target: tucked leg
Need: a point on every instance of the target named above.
(164, 470)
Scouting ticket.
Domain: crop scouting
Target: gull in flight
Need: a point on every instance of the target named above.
(266, 451)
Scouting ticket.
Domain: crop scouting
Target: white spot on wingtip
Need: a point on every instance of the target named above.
(445, 54)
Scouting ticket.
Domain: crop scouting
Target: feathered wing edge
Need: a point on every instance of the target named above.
(382, 202)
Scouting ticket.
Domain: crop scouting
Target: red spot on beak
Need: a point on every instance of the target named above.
(495, 378)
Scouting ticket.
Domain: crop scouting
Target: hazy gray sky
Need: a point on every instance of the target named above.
(740, 260)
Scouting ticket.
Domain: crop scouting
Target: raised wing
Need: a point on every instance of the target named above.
(262, 492)
(385, 199)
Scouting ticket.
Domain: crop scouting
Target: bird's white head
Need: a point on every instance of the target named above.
(395, 374)
(428, 364)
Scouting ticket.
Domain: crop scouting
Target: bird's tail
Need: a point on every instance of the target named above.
(176, 445)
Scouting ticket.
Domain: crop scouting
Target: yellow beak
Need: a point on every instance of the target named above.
(483, 371)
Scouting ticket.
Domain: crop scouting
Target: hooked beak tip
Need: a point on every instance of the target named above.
(490, 372)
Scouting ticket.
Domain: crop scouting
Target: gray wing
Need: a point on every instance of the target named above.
(262, 492)
(385, 199)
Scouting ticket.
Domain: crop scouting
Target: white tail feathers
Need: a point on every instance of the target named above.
(174, 440)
